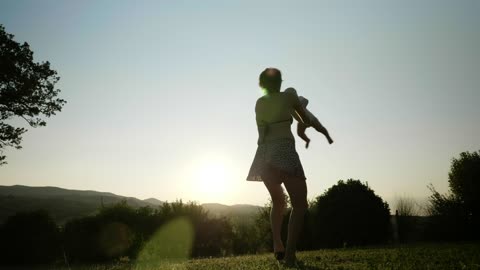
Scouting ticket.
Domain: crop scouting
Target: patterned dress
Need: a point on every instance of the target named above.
(280, 154)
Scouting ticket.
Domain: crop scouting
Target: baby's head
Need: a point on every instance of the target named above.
(270, 80)
(303, 100)
(291, 90)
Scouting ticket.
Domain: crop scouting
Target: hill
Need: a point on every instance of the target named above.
(236, 212)
(153, 201)
(65, 204)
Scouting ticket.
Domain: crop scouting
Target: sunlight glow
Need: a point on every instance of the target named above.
(212, 180)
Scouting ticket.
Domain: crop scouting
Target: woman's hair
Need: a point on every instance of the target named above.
(271, 80)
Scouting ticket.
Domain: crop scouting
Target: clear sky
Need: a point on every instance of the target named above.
(161, 94)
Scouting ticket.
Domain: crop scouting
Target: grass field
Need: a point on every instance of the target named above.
(424, 256)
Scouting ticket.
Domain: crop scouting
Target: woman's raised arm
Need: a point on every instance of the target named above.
(299, 112)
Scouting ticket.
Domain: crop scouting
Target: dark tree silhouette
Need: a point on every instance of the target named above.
(407, 220)
(119, 230)
(349, 213)
(464, 181)
(456, 215)
(246, 238)
(447, 218)
(26, 90)
(29, 238)
(116, 230)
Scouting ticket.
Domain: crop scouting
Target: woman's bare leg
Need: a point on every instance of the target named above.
(276, 213)
(297, 190)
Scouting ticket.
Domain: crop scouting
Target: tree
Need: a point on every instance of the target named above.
(464, 181)
(116, 230)
(246, 239)
(406, 220)
(29, 238)
(349, 213)
(447, 217)
(456, 215)
(212, 236)
(406, 206)
(119, 230)
(26, 90)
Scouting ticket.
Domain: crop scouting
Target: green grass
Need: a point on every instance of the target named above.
(424, 256)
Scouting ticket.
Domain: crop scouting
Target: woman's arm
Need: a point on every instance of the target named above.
(299, 112)
(258, 109)
(262, 129)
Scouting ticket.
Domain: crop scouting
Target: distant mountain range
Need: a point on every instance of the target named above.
(65, 204)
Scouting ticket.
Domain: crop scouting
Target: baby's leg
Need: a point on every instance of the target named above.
(317, 125)
(320, 128)
(301, 133)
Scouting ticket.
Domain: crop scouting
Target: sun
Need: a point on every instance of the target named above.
(212, 180)
(214, 176)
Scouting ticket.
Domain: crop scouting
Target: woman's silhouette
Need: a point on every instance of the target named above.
(276, 160)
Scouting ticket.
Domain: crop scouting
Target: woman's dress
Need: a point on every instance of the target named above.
(278, 153)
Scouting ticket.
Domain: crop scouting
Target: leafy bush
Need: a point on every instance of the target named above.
(246, 238)
(349, 213)
(29, 238)
(120, 230)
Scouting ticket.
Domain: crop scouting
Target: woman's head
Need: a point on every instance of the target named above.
(271, 80)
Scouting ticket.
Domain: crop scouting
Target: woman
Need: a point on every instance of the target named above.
(276, 160)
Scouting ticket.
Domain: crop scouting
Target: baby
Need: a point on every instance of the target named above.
(301, 127)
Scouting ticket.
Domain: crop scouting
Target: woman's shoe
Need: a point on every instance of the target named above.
(279, 255)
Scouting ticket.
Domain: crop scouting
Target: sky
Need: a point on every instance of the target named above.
(161, 94)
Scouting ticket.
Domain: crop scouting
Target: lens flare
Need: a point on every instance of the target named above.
(172, 243)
